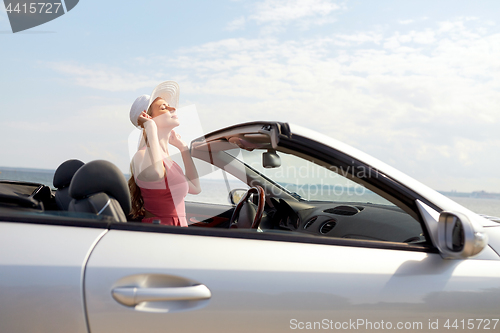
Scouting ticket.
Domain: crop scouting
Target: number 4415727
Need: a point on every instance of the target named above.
(471, 324)
(34, 8)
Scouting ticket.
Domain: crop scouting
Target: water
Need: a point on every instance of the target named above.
(480, 205)
(216, 191)
(28, 175)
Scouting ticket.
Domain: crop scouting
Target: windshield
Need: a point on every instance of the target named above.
(309, 180)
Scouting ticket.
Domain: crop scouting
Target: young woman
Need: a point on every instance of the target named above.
(158, 185)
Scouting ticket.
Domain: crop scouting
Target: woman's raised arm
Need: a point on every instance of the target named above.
(148, 163)
(191, 173)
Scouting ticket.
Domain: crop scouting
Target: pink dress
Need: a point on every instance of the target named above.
(165, 198)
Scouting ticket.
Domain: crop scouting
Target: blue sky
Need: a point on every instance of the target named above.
(413, 83)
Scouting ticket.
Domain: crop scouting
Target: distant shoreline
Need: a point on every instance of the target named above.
(27, 169)
(475, 194)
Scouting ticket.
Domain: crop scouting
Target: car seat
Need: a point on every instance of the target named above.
(100, 188)
(61, 181)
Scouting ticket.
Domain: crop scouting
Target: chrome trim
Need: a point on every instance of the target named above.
(105, 206)
(325, 223)
(82, 277)
(310, 222)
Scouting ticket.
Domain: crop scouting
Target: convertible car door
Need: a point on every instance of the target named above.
(190, 280)
(41, 276)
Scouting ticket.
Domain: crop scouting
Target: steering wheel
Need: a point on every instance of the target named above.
(245, 215)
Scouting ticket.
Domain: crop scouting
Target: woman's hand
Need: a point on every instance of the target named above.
(176, 141)
(144, 118)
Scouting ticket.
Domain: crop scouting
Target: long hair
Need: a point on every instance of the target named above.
(137, 207)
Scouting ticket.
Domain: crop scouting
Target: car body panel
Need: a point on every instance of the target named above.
(41, 277)
(494, 238)
(261, 285)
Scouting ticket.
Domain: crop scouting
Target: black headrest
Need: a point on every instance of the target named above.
(101, 176)
(64, 173)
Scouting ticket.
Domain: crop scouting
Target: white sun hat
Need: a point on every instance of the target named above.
(141, 104)
(169, 91)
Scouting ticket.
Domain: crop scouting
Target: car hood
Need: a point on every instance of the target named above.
(491, 218)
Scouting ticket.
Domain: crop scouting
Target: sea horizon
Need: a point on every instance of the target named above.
(448, 193)
(482, 202)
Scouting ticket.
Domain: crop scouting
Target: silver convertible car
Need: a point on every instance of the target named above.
(311, 234)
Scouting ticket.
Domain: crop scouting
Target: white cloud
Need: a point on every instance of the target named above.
(412, 21)
(289, 10)
(404, 22)
(236, 24)
(360, 38)
(425, 101)
(424, 37)
(275, 15)
(426, 97)
(103, 78)
(448, 26)
(103, 129)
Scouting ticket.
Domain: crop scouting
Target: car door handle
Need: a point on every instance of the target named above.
(131, 296)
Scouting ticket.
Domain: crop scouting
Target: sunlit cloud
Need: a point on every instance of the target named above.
(103, 77)
(284, 11)
(95, 126)
(404, 22)
(236, 24)
(435, 91)
(273, 16)
(420, 99)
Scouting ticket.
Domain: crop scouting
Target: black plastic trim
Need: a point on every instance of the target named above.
(21, 201)
(40, 219)
(34, 218)
(219, 132)
(269, 236)
(18, 182)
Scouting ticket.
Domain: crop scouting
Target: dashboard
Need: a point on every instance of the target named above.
(344, 220)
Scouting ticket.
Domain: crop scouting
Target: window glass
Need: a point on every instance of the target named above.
(215, 184)
(329, 203)
(311, 181)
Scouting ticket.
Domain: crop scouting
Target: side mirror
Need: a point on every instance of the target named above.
(458, 237)
(236, 195)
(271, 159)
